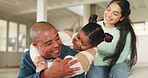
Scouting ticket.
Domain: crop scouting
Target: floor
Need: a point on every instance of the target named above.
(139, 71)
(9, 72)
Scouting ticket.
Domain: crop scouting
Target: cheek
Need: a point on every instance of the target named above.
(46, 51)
(42, 52)
(60, 42)
(84, 48)
(116, 19)
(104, 14)
(74, 41)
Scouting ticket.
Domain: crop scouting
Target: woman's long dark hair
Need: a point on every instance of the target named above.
(125, 27)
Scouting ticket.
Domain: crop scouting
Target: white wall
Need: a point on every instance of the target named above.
(139, 15)
(142, 48)
(8, 59)
(66, 23)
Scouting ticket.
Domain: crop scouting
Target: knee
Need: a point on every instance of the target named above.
(120, 68)
(91, 75)
(118, 73)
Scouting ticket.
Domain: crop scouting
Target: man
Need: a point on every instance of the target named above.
(46, 39)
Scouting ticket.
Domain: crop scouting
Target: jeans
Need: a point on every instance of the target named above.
(120, 70)
(79, 76)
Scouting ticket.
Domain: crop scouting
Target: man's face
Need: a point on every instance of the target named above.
(49, 44)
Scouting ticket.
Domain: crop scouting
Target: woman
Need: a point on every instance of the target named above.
(111, 60)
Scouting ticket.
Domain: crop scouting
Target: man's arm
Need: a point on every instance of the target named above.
(60, 68)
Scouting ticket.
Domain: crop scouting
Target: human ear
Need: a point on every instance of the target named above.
(34, 44)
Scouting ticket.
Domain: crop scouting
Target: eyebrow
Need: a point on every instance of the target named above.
(50, 40)
(114, 11)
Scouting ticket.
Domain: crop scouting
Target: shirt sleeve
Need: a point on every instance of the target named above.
(34, 53)
(126, 50)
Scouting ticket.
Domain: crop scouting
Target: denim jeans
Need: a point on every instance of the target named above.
(120, 70)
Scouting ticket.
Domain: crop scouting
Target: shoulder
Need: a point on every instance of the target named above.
(26, 58)
(66, 50)
(27, 68)
(26, 54)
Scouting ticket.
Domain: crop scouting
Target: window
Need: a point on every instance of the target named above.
(12, 36)
(141, 28)
(3, 33)
(22, 37)
(146, 28)
(12, 40)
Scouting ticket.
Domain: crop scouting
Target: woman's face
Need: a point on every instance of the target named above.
(112, 14)
(81, 41)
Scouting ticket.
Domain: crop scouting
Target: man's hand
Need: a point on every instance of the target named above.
(60, 68)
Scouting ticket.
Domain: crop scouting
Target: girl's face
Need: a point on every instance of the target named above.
(112, 14)
(81, 41)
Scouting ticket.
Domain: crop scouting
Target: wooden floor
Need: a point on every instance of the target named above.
(9, 72)
(138, 71)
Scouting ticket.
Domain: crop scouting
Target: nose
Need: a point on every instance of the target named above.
(110, 14)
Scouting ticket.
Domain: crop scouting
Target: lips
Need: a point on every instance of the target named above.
(108, 19)
(56, 51)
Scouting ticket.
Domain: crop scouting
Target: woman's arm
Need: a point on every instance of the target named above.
(126, 50)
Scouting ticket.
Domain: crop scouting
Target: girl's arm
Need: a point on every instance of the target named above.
(37, 59)
(86, 57)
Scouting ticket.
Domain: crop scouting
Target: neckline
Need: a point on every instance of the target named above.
(107, 27)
